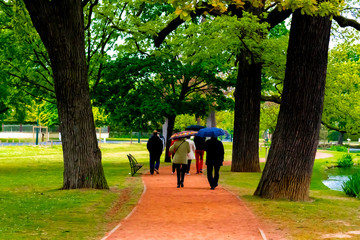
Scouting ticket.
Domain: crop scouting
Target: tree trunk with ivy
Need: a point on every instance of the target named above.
(60, 25)
(288, 169)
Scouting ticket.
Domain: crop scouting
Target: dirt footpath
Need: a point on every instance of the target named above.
(193, 212)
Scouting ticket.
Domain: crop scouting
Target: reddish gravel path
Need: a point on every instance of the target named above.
(193, 212)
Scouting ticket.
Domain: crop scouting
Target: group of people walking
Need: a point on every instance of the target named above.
(183, 151)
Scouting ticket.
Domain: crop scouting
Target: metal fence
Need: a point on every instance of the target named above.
(29, 128)
(29, 131)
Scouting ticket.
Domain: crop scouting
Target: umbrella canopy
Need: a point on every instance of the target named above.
(194, 127)
(183, 134)
(211, 132)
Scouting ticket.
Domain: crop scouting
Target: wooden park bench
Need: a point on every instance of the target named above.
(135, 166)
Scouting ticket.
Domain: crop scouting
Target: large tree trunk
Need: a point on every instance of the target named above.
(245, 156)
(61, 28)
(288, 170)
(170, 128)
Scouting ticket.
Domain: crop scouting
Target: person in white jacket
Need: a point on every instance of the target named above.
(191, 154)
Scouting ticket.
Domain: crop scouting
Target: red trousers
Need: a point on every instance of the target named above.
(199, 156)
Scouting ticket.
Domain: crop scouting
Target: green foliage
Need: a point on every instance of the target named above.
(23, 59)
(278, 31)
(274, 58)
(138, 92)
(345, 161)
(184, 120)
(342, 95)
(225, 120)
(268, 116)
(338, 148)
(352, 186)
(235, 35)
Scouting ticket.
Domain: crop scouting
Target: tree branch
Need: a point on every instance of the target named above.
(346, 22)
(275, 17)
(92, 5)
(173, 25)
(84, 3)
(273, 98)
(4, 110)
(27, 80)
(331, 127)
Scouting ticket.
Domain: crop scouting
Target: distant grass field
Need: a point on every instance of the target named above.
(33, 207)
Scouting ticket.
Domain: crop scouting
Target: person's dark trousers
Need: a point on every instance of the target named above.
(188, 166)
(153, 158)
(173, 167)
(157, 162)
(180, 173)
(213, 179)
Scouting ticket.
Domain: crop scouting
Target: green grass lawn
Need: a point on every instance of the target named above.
(33, 207)
(329, 212)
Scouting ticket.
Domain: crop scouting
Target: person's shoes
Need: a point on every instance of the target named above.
(172, 172)
(178, 186)
(187, 173)
(157, 171)
(181, 184)
(212, 188)
(200, 171)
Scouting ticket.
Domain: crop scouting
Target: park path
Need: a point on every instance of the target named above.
(194, 212)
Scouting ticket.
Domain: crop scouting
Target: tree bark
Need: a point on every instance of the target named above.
(288, 170)
(245, 156)
(211, 120)
(170, 129)
(341, 137)
(61, 27)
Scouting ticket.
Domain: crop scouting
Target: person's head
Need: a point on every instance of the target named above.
(155, 133)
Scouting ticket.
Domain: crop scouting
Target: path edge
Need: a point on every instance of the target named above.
(129, 215)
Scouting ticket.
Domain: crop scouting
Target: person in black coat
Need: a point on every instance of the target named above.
(214, 159)
(155, 147)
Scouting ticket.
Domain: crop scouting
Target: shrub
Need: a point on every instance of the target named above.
(338, 148)
(352, 186)
(345, 161)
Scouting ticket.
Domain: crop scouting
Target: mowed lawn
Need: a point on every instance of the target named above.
(33, 207)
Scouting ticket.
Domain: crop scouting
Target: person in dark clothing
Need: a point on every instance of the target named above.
(155, 147)
(214, 159)
(199, 153)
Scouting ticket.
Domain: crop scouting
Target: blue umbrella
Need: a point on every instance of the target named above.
(211, 132)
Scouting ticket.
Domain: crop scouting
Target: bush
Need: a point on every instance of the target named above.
(345, 161)
(352, 186)
(338, 148)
